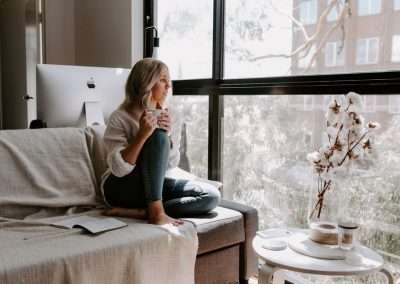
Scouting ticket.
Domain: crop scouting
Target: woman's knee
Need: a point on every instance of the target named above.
(211, 196)
(159, 138)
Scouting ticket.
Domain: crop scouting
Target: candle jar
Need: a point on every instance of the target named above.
(347, 235)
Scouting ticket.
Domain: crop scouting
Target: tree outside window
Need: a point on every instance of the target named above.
(308, 12)
(304, 58)
(334, 54)
(185, 28)
(367, 51)
(396, 48)
(369, 7)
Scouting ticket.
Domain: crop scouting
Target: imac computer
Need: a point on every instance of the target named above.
(78, 96)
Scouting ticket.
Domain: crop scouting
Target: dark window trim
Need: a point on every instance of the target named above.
(363, 83)
(148, 21)
(215, 101)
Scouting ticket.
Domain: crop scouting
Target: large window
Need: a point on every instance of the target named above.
(190, 114)
(367, 51)
(268, 39)
(185, 28)
(369, 7)
(266, 141)
(249, 29)
(396, 48)
(275, 65)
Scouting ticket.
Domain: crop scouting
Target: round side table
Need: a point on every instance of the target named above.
(291, 260)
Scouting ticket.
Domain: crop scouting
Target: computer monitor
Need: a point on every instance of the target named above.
(78, 96)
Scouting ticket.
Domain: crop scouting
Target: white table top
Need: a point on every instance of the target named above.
(291, 260)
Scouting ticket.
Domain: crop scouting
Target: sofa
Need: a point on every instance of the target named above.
(53, 174)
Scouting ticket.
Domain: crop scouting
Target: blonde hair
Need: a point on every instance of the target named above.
(143, 76)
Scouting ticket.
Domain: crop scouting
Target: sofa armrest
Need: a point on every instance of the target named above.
(248, 258)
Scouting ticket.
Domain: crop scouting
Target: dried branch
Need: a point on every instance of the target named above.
(339, 23)
(309, 41)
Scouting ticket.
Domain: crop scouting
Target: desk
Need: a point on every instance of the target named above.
(291, 260)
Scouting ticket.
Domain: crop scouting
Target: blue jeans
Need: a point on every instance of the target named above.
(147, 183)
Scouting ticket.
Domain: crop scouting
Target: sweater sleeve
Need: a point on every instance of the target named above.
(116, 140)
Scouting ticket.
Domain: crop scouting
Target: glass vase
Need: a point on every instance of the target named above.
(324, 201)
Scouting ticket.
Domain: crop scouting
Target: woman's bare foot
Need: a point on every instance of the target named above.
(157, 215)
(135, 213)
(164, 219)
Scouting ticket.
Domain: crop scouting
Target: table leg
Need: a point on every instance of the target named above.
(388, 275)
(265, 274)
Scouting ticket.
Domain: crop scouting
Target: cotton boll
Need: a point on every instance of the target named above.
(354, 99)
(336, 158)
(354, 108)
(332, 131)
(324, 160)
(334, 119)
(331, 117)
(373, 125)
(341, 100)
(347, 121)
(314, 157)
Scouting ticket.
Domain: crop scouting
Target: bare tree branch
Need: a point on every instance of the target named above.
(317, 37)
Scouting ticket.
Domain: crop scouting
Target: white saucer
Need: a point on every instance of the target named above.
(272, 244)
(302, 244)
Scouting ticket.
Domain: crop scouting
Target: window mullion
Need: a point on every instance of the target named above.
(148, 21)
(215, 99)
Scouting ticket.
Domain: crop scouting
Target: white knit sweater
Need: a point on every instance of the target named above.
(121, 129)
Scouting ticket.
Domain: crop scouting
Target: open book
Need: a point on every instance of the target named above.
(93, 225)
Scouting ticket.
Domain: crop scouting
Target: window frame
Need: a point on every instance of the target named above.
(310, 9)
(395, 57)
(369, 11)
(368, 43)
(368, 83)
(334, 45)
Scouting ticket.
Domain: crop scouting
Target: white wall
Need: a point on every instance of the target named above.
(79, 32)
(93, 32)
(103, 33)
(137, 30)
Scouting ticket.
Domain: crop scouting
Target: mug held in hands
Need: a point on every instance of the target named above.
(157, 113)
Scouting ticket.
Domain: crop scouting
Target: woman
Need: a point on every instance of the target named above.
(137, 139)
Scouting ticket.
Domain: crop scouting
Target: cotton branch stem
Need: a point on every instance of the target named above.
(320, 202)
(351, 149)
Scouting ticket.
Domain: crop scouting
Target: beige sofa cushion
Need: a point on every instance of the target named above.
(220, 228)
(98, 154)
(45, 168)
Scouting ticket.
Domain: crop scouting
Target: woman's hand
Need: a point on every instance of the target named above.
(148, 122)
(164, 121)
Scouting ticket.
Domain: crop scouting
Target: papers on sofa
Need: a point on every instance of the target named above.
(91, 224)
